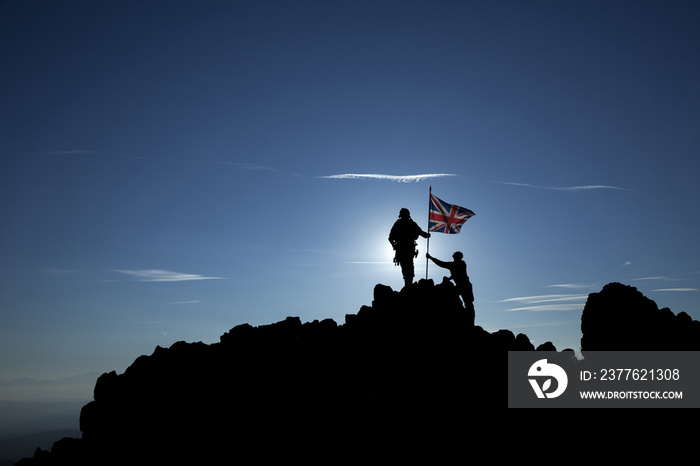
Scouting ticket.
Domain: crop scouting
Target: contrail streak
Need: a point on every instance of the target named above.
(397, 178)
(563, 188)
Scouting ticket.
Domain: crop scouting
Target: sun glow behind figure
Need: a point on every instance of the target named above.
(219, 192)
(374, 250)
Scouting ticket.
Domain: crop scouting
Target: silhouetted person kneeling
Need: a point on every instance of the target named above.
(458, 269)
(403, 238)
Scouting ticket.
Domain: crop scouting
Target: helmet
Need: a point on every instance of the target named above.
(458, 255)
(404, 213)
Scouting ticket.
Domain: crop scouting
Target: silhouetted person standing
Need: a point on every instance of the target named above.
(403, 238)
(458, 269)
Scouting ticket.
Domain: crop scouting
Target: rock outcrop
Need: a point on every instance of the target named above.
(413, 360)
(621, 318)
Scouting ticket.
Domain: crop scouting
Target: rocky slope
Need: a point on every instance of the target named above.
(413, 360)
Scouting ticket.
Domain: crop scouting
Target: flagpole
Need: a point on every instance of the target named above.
(427, 246)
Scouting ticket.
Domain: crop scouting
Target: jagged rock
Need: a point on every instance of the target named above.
(548, 346)
(40, 457)
(522, 343)
(412, 360)
(620, 318)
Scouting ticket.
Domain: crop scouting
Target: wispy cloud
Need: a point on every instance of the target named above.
(549, 307)
(676, 289)
(563, 188)
(556, 302)
(573, 285)
(396, 178)
(676, 278)
(545, 298)
(155, 275)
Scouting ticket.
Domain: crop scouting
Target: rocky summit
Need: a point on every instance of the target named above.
(412, 361)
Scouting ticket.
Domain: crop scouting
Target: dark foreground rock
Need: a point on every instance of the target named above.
(621, 318)
(413, 361)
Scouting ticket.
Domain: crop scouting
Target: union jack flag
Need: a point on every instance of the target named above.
(446, 218)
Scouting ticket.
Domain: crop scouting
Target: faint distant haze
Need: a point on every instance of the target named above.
(72, 388)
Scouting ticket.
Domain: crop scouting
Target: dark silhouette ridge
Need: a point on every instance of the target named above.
(412, 361)
(620, 317)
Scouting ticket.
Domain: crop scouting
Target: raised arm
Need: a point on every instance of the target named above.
(438, 262)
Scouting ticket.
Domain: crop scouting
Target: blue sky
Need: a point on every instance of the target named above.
(172, 169)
